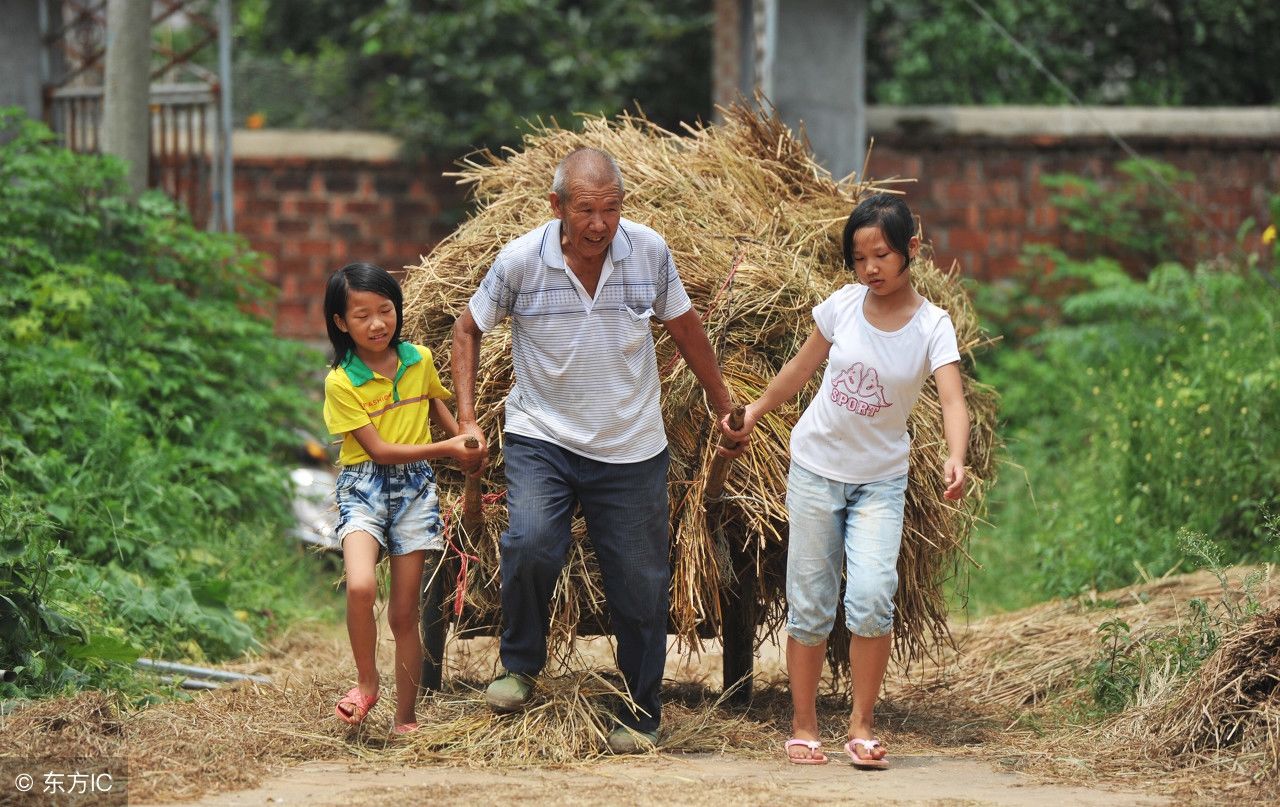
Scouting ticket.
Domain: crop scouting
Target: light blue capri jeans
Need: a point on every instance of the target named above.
(833, 521)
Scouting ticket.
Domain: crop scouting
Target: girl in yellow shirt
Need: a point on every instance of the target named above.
(382, 395)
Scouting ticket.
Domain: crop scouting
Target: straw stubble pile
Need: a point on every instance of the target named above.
(754, 226)
(1209, 735)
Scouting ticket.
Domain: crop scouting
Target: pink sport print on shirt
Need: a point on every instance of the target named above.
(858, 389)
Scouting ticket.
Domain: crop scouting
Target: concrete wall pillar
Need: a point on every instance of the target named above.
(819, 77)
(808, 58)
(21, 77)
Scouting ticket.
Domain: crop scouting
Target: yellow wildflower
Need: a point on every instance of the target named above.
(1269, 235)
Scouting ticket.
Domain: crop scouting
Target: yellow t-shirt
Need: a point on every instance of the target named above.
(399, 408)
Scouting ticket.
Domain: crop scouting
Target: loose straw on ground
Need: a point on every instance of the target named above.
(1205, 740)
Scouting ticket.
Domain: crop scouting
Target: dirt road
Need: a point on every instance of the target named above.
(698, 780)
(695, 779)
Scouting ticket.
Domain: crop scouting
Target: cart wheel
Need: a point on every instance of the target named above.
(738, 608)
(435, 622)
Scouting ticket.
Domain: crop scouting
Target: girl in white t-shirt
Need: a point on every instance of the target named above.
(846, 490)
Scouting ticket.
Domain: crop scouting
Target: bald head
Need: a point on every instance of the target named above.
(586, 167)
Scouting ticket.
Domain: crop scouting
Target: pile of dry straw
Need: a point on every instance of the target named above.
(1204, 736)
(754, 225)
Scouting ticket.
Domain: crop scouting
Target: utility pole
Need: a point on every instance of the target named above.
(126, 121)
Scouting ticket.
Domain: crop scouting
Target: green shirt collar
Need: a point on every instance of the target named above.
(359, 373)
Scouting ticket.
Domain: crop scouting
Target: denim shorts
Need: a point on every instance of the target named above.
(396, 504)
(832, 522)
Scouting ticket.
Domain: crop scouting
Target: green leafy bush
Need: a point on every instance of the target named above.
(143, 419)
(1130, 220)
(1157, 407)
(1148, 404)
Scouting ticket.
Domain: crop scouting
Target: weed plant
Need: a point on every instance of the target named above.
(1128, 665)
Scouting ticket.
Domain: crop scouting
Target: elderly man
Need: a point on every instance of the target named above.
(584, 424)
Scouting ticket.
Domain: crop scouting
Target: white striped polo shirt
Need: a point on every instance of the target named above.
(586, 376)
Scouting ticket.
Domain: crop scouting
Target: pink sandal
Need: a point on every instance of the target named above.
(358, 706)
(870, 763)
(814, 747)
(405, 728)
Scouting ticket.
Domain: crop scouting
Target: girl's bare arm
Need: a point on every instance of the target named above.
(384, 453)
(955, 427)
(786, 384)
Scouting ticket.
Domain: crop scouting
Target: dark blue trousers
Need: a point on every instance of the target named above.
(626, 510)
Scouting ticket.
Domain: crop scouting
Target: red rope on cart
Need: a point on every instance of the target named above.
(464, 558)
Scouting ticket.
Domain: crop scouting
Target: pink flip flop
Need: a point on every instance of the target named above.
(358, 707)
(814, 747)
(865, 762)
(405, 728)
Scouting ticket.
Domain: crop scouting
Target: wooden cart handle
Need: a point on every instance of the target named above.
(472, 510)
(720, 464)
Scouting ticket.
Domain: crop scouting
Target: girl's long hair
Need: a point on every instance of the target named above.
(361, 277)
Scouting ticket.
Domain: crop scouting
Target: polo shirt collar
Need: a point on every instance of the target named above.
(359, 372)
(553, 255)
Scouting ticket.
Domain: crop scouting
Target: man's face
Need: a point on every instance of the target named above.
(588, 218)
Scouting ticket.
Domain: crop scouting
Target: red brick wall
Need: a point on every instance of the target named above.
(310, 216)
(981, 199)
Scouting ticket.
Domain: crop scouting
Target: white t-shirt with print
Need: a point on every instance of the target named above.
(855, 429)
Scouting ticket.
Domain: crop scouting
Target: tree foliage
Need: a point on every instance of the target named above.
(1137, 52)
(451, 76)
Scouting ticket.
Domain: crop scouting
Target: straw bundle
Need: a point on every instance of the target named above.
(1228, 713)
(754, 226)
(1029, 658)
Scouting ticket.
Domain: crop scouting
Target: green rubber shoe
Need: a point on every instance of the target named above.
(623, 740)
(509, 692)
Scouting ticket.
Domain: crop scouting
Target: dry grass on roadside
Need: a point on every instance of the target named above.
(1004, 696)
(1212, 737)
